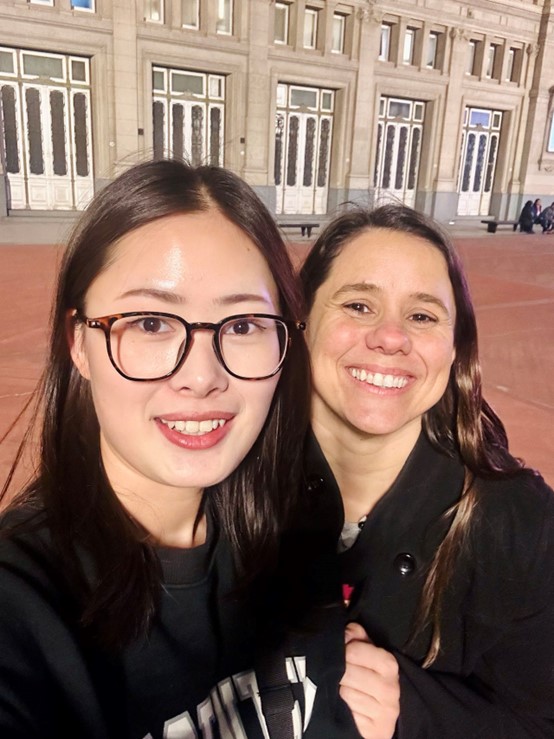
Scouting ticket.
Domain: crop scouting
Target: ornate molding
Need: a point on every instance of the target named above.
(460, 34)
(532, 49)
(368, 13)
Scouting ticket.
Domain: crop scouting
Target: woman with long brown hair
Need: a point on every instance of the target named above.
(445, 540)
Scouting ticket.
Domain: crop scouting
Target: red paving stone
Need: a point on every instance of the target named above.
(512, 282)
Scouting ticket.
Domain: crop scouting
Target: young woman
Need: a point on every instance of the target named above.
(446, 541)
(170, 416)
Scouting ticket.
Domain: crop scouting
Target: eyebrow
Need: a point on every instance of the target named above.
(176, 299)
(370, 288)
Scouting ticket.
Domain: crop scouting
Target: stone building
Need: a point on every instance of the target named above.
(444, 105)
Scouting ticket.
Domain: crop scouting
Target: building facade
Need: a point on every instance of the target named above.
(443, 105)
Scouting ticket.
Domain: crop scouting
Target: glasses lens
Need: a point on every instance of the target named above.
(147, 347)
(253, 347)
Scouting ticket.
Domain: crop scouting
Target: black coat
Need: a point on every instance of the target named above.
(494, 678)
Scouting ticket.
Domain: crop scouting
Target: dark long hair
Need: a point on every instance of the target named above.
(86, 521)
(462, 422)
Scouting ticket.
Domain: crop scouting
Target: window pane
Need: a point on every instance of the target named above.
(158, 80)
(293, 151)
(510, 65)
(158, 115)
(324, 145)
(299, 97)
(10, 129)
(408, 51)
(309, 152)
(34, 131)
(191, 15)
(310, 28)
(177, 140)
(470, 57)
(80, 105)
(326, 101)
(384, 43)
(6, 62)
(187, 83)
(83, 4)
(278, 163)
(78, 71)
(153, 10)
(280, 34)
(399, 109)
(216, 87)
(432, 50)
(215, 137)
(551, 136)
(490, 60)
(337, 43)
(281, 95)
(224, 16)
(57, 112)
(43, 66)
(480, 118)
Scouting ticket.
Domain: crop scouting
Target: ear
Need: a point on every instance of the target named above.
(75, 334)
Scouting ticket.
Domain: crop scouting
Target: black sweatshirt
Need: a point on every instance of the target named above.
(193, 676)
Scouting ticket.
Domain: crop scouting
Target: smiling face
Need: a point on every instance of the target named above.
(192, 429)
(381, 335)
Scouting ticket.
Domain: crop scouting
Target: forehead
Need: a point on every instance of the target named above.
(181, 251)
(392, 256)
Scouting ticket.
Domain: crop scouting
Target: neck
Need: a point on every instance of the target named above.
(168, 513)
(171, 518)
(364, 465)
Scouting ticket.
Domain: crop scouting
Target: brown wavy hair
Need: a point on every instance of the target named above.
(71, 490)
(462, 422)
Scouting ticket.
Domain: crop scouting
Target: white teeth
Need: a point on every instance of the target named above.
(378, 379)
(194, 428)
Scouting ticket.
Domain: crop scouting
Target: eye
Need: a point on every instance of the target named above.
(357, 307)
(422, 318)
(241, 327)
(151, 325)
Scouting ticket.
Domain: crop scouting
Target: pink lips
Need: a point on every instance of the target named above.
(194, 442)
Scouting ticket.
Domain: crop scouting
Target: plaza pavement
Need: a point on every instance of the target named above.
(512, 282)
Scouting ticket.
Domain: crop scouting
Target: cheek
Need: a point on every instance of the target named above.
(332, 339)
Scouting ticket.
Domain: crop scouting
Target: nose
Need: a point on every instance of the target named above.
(201, 372)
(389, 336)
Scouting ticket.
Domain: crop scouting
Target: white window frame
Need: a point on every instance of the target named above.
(27, 76)
(339, 27)
(384, 42)
(408, 46)
(224, 24)
(196, 25)
(283, 8)
(42, 2)
(310, 28)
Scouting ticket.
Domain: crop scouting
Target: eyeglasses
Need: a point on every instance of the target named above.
(152, 346)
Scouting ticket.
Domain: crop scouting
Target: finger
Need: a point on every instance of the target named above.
(355, 631)
(371, 657)
(373, 720)
(372, 685)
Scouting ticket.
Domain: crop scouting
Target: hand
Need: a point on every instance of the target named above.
(370, 685)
